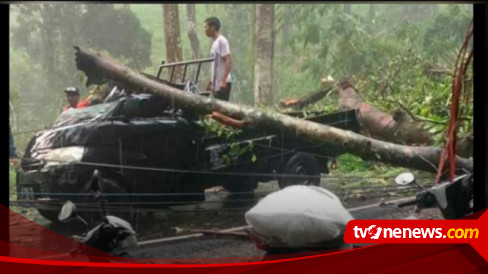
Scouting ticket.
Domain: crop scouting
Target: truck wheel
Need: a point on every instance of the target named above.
(244, 185)
(241, 193)
(300, 164)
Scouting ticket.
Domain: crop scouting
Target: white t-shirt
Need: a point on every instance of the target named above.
(220, 48)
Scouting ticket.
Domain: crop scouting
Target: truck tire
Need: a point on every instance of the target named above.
(243, 185)
(300, 164)
(241, 193)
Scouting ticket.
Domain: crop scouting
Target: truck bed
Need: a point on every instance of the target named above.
(270, 149)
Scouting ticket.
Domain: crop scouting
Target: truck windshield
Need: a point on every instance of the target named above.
(77, 115)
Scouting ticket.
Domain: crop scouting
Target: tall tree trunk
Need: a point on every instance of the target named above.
(306, 100)
(347, 9)
(371, 12)
(435, 8)
(285, 28)
(263, 50)
(192, 30)
(48, 46)
(172, 38)
(98, 69)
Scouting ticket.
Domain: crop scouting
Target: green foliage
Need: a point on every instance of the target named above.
(447, 30)
(42, 55)
(393, 50)
(236, 149)
(237, 25)
(58, 27)
(389, 47)
(373, 173)
(225, 132)
(151, 20)
(350, 163)
(117, 31)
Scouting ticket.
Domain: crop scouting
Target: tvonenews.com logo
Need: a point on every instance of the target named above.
(375, 232)
(468, 231)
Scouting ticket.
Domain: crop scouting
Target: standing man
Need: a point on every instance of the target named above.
(221, 81)
(73, 97)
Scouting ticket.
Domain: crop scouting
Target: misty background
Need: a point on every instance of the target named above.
(375, 44)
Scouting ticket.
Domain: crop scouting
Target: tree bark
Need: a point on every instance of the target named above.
(100, 69)
(263, 50)
(435, 8)
(192, 30)
(49, 47)
(382, 125)
(285, 28)
(305, 100)
(347, 9)
(172, 38)
(371, 12)
(397, 128)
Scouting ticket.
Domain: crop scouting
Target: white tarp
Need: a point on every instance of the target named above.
(299, 215)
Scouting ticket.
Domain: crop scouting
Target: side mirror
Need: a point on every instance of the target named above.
(67, 211)
(130, 108)
(405, 179)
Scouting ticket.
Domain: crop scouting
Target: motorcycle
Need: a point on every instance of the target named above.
(113, 235)
(454, 199)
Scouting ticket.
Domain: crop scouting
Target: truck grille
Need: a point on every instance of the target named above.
(32, 164)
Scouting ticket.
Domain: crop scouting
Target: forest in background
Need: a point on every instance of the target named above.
(396, 54)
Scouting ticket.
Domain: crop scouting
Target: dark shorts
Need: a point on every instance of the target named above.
(223, 94)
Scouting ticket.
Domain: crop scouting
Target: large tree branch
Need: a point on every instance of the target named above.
(306, 100)
(100, 69)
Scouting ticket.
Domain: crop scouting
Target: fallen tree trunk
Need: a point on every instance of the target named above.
(305, 100)
(398, 128)
(100, 69)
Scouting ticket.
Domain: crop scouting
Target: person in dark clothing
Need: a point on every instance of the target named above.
(13, 157)
(13, 151)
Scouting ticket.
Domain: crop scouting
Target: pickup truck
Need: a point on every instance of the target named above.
(154, 156)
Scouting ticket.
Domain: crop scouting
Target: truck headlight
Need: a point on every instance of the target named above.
(64, 155)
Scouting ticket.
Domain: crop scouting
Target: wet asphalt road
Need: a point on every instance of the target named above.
(222, 211)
